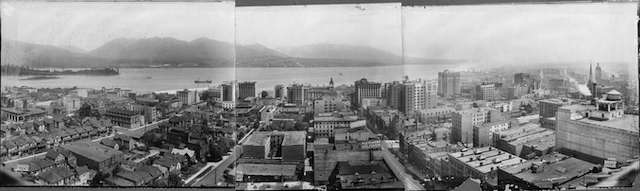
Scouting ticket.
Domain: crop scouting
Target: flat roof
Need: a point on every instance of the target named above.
(266, 169)
(91, 150)
(626, 122)
(290, 137)
(485, 159)
(553, 168)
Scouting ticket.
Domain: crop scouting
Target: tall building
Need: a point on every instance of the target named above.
(276, 145)
(279, 91)
(246, 89)
(487, 91)
(598, 132)
(448, 83)
(366, 89)
(464, 120)
(295, 94)
(188, 97)
(417, 95)
(598, 73)
(483, 133)
(393, 94)
(228, 92)
(548, 109)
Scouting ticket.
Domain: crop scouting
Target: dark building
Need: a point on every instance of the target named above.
(227, 92)
(448, 83)
(366, 89)
(296, 93)
(285, 146)
(279, 91)
(124, 117)
(393, 94)
(246, 89)
(95, 156)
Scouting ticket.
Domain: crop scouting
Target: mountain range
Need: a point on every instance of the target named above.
(201, 52)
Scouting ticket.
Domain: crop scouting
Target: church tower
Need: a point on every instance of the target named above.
(331, 82)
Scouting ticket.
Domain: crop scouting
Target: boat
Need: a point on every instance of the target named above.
(203, 81)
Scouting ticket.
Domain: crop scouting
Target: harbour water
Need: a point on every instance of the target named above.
(169, 79)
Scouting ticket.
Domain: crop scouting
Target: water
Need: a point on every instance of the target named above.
(160, 79)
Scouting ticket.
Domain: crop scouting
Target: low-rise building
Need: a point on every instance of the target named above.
(527, 141)
(552, 171)
(95, 156)
(481, 163)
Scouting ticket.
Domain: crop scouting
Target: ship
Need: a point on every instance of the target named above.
(202, 81)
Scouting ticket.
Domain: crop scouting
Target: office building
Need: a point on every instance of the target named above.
(324, 124)
(366, 89)
(276, 145)
(487, 91)
(188, 97)
(228, 91)
(598, 132)
(296, 93)
(483, 133)
(124, 117)
(279, 91)
(246, 89)
(448, 83)
(464, 120)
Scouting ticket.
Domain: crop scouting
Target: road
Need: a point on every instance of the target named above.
(210, 176)
(399, 170)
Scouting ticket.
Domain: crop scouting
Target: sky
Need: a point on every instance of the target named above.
(374, 25)
(593, 32)
(87, 25)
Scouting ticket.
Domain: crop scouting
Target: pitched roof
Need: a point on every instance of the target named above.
(56, 174)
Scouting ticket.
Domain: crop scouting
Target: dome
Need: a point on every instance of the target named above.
(614, 92)
(614, 95)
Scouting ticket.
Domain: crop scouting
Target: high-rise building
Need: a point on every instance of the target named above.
(393, 93)
(487, 91)
(598, 73)
(598, 132)
(228, 91)
(246, 89)
(464, 120)
(448, 83)
(417, 95)
(366, 89)
(279, 91)
(188, 97)
(295, 94)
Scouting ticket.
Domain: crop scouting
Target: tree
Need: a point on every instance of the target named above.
(215, 153)
(174, 180)
(97, 179)
(84, 111)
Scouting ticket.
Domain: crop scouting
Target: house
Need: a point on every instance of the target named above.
(84, 175)
(56, 176)
(169, 163)
(110, 143)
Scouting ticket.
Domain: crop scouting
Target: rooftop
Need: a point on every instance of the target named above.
(626, 122)
(549, 169)
(290, 137)
(266, 169)
(485, 159)
(90, 150)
